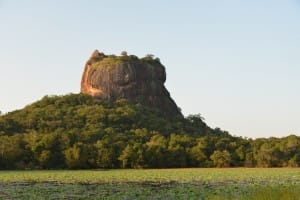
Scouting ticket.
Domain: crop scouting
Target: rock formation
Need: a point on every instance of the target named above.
(111, 77)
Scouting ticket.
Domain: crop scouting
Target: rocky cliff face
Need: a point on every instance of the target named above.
(128, 77)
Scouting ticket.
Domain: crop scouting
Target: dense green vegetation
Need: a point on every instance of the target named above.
(239, 183)
(79, 132)
(111, 60)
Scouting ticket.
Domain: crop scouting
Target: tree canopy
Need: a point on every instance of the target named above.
(77, 131)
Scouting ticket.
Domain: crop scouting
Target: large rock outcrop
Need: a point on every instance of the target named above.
(128, 77)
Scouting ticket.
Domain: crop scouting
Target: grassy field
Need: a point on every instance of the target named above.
(240, 183)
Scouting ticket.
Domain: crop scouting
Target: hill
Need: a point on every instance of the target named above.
(81, 131)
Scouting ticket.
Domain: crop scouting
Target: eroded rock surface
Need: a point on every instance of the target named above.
(128, 77)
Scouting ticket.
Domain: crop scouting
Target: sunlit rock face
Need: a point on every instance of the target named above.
(128, 77)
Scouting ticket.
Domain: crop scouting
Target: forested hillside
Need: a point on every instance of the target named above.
(79, 131)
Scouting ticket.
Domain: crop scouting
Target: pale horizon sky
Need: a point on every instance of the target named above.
(235, 62)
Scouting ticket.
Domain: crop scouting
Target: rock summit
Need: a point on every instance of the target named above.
(138, 80)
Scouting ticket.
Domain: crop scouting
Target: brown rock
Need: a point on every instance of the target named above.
(128, 77)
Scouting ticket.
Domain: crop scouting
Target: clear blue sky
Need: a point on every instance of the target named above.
(235, 62)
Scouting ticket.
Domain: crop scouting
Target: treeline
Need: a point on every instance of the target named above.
(79, 132)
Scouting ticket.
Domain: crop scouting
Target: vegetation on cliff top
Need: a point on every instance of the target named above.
(111, 60)
(78, 131)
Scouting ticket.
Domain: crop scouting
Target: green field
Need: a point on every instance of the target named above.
(240, 183)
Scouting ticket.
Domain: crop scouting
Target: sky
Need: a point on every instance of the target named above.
(235, 62)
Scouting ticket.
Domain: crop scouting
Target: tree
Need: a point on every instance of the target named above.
(157, 151)
(50, 152)
(127, 157)
(76, 157)
(240, 153)
(104, 154)
(133, 156)
(268, 155)
(178, 149)
(150, 56)
(11, 153)
(294, 161)
(249, 160)
(123, 53)
(221, 158)
(198, 154)
(45, 159)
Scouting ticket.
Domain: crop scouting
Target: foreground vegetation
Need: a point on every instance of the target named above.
(79, 132)
(238, 183)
